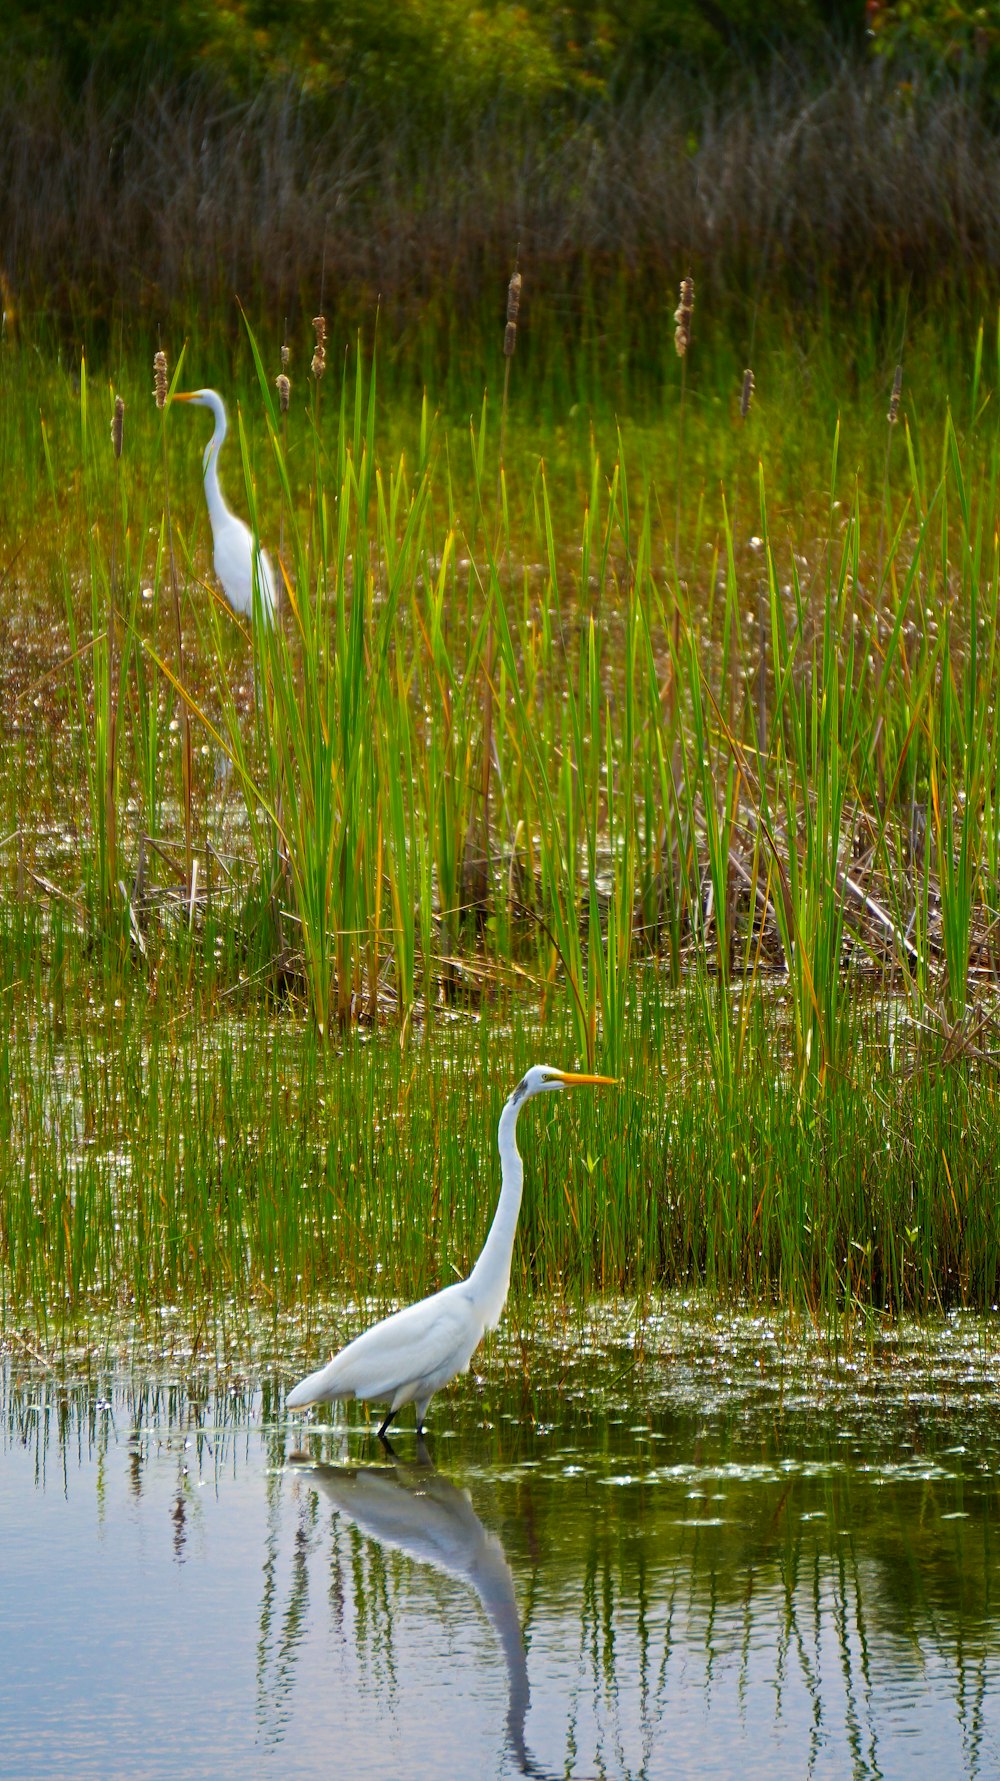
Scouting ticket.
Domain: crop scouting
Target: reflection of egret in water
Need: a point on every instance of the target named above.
(416, 1511)
(736, 1583)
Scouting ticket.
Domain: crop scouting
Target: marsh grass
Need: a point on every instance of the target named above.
(793, 975)
(157, 1161)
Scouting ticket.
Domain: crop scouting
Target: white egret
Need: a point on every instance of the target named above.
(408, 1357)
(231, 537)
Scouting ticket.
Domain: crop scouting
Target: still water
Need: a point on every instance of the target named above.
(695, 1546)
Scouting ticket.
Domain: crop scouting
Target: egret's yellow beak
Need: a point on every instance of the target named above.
(572, 1079)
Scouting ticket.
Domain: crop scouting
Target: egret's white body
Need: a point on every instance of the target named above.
(407, 1357)
(232, 541)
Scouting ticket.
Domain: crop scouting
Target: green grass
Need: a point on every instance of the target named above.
(508, 783)
(157, 1159)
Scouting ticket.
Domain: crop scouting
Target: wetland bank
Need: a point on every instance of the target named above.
(631, 716)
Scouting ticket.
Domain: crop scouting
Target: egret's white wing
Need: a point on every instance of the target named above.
(437, 1334)
(411, 1344)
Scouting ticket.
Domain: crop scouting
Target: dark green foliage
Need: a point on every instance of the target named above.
(432, 53)
(937, 39)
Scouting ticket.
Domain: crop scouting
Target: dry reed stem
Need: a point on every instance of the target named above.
(282, 384)
(513, 306)
(476, 862)
(284, 389)
(160, 387)
(509, 347)
(682, 340)
(318, 365)
(111, 802)
(892, 417)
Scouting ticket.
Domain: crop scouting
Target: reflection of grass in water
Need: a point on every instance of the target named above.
(174, 1135)
(790, 1506)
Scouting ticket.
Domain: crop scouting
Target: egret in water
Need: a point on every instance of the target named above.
(408, 1357)
(235, 563)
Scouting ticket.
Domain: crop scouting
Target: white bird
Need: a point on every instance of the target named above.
(408, 1357)
(235, 565)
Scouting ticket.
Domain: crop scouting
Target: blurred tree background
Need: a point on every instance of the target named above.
(421, 46)
(160, 152)
(443, 51)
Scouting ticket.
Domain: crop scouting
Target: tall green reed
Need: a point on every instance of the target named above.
(323, 700)
(100, 658)
(616, 817)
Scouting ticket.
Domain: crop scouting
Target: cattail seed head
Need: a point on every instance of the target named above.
(285, 356)
(513, 306)
(118, 426)
(319, 323)
(283, 388)
(747, 396)
(682, 317)
(319, 356)
(160, 379)
(513, 297)
(897, 390)
(8, 308)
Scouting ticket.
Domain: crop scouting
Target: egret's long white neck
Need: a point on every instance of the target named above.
(217, 509)
(491, 1274)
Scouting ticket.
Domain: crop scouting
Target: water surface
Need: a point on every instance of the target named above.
(695, 1545)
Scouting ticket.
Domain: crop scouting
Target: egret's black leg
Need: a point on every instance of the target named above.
(390, 1416)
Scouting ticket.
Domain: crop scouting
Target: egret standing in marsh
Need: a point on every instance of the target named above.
(235, 563)
(408, 1357)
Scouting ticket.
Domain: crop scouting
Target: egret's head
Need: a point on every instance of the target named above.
(542, 1077)
(213, 401)
(202, 399)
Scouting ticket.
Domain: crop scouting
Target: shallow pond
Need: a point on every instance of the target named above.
(697, 1545)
